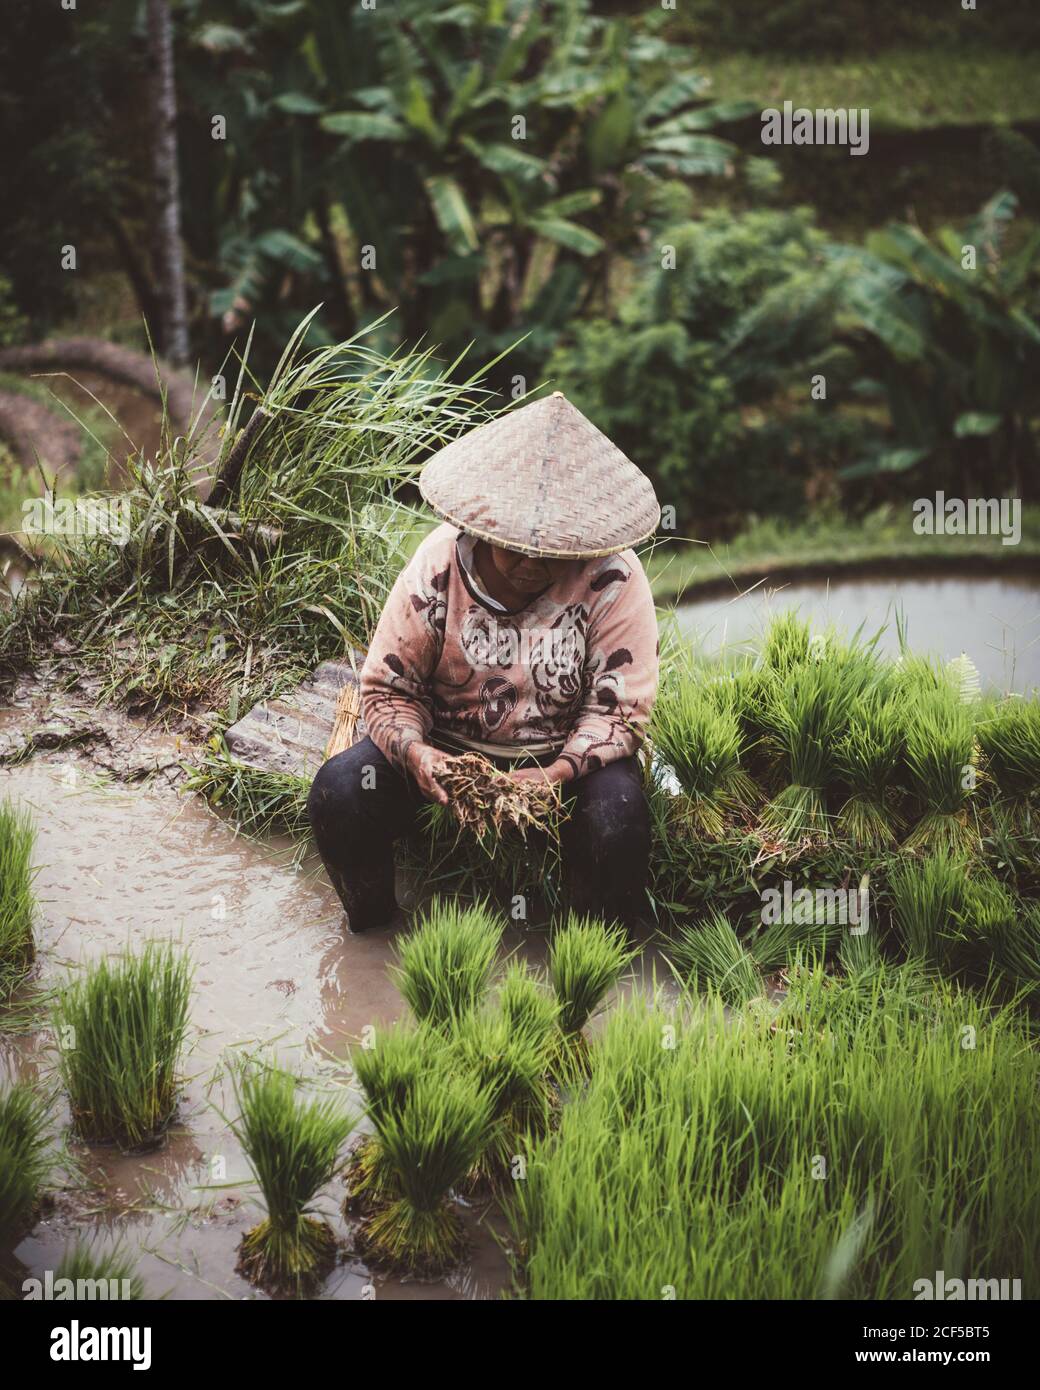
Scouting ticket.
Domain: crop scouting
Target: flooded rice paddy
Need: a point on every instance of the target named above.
(996, 621)
(274, 971)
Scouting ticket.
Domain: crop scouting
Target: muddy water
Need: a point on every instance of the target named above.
(274, 971)
(995, 621)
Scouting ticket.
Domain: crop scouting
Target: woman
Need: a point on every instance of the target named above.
(523, 628)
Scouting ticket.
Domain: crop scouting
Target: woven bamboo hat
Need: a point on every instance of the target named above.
(542, 480)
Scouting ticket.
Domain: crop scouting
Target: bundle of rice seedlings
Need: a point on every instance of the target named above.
(709, 954)
(24, 1162)
(487, 801)
(17, 904)
(868, 756)
(927, 894)
(293, 1148)
(805, 934)
(939, 734)
(586, 960)
(1009, 735)
(787, 643)
(526, 1005)
(697, 733)
(511, 1066)
(121, 1026)
(808, 711)
(432, 1143)
(1016, 949)
(387, 1071)
(445, 963)
(92, 1269)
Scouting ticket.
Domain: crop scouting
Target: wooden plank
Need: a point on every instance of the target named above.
(289, 734)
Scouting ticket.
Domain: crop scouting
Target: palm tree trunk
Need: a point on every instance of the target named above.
(169, 253)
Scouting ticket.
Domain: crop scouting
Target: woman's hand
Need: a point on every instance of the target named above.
(559, 771)
(425, 763)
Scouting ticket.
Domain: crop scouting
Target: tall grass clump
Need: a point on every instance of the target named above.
(511, 1066)
(1009, 735)
(807, 711)
(432, 1143)
(292, 1146)
(696, 731)
(444, 965)
(298, 545)
(709, 955)
(17, 904)
(927, 896)
(387, 1070)
(722, 1127)
(868, 757)
(24, 1161)
(90, 1267)
(121, 1026)
(586, 960)
(939, 734)
(526, 1005)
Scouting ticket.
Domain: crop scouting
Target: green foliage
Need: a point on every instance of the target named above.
(90, 1264)
(1009, 735)
(709, 955)
(687, 378)
(24, 1161)
(715, 1131)
(445, 962)
(17, 903)
(292, 1147)
(121, 1026)
(586, 960)
(927, 894)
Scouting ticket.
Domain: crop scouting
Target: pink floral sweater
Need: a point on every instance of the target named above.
(574, 673)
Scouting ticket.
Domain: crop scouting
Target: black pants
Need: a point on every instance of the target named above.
(360, 804)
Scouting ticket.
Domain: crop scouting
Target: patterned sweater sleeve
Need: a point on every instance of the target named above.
(620, 668)
(404, 651)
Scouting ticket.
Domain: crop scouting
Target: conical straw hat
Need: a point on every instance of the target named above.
(542, 480)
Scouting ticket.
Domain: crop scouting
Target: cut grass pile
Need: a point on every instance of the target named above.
(293, 1147)
(781, 1154)
(120, 1029)
(17, 904)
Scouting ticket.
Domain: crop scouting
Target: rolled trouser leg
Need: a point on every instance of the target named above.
(606, 843)
(358, 806)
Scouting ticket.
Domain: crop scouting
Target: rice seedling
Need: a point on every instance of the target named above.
(526, 1005)
(511, 1066)
(113, 1271)
(1016, 949)
(17, 905)
(432, 1142)
(787, 643)
(445, 963)
(586, 960)
(486, 801)
(803, 933)
(709, 955)
(868, 756)
(121, 1026)
(717, 1132)
(927, 895)
(24, 1161)
(697, 733)
(1009, 735)
(939, 733)
(387, 1070)
(293, 1147)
